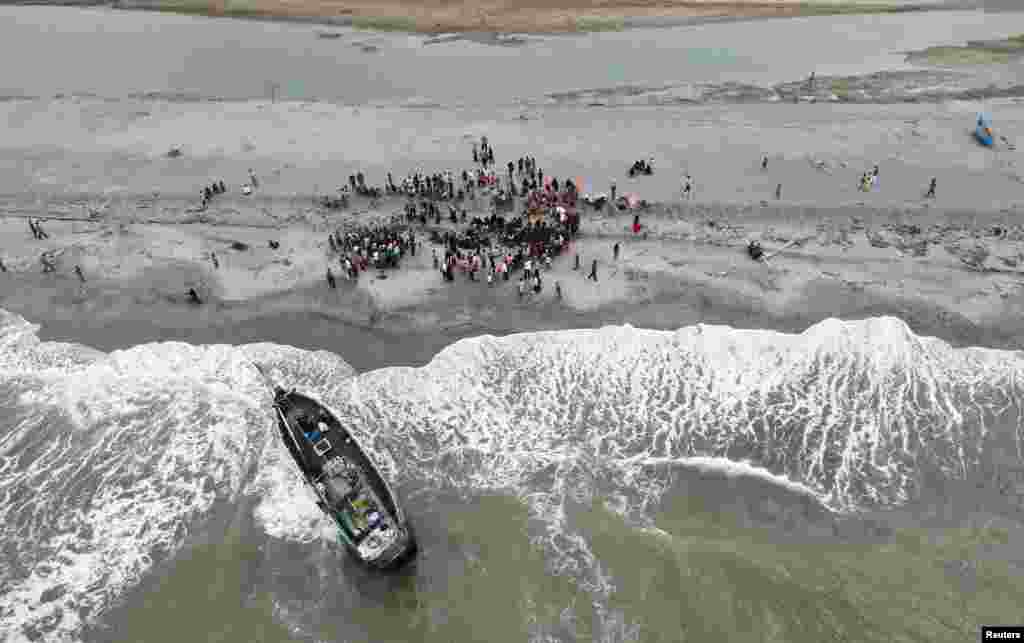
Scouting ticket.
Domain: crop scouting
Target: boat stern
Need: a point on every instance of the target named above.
(389, 553)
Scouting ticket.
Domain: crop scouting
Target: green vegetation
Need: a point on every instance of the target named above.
(997, 52)
(966, 56)
(708, 578)
(599, 23)
(384, 23)
(234, 8)
(841, 88)
(823, 8)
(195, 7)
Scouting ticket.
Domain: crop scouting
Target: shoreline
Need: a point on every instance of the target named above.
(951, 267)
(370, 322)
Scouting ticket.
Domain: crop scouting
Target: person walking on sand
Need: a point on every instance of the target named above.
(576, 266)
(193, 296)
(778, 191)
(3, 268)
(558, 290)
(930, 194)
(78, 271)
(687, 187)
(764, 162)
(213, 258)
(330, 279)
(521, 287)
(593, 271)
(613, 191)
(615, 251)
(253, 181)
(636, 224)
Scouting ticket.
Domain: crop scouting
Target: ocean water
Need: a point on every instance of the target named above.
(617, 484)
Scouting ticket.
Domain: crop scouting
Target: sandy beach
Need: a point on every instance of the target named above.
(949, 266)
(662, 467)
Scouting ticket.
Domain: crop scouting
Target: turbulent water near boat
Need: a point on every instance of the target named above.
(565, 486)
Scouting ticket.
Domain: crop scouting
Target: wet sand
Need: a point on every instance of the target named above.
(947, 268)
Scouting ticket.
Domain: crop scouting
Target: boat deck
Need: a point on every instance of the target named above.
(328, 439)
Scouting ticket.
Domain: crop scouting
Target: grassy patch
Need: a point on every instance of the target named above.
(996, 52)
(966, 56)
(841, 87)
(707, 579)
(236, 8)
(821, 8)
(191, 7)
(384, 23)
(599, 23)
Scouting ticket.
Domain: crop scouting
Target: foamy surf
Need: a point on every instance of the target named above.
(111, 463)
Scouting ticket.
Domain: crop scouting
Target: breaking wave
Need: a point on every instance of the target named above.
(111, 463)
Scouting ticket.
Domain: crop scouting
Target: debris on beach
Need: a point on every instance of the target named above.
(973, 256)
(174, 152)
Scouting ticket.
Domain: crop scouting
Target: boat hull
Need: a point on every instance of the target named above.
(320, 453)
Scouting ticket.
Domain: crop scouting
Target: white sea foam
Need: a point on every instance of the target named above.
(110, 462)
(117, 461)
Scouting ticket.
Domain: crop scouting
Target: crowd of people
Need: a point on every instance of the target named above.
(533, 219)
(380, 247)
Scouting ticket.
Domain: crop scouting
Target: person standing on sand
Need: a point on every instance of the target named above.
(577, 264)
(930, 194)
(32, 227)
(615, 251)
(764, 162)
(778, 191)
(636, 224)
(614, 187)
(593, 271)
(78, 271)
(3, 268)
(521, 287)
(193, 296)
(330, 279)
(687, 187)
(253, 181)
(213, 258)
(558, 290)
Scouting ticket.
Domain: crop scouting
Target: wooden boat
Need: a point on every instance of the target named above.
(349, 488)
